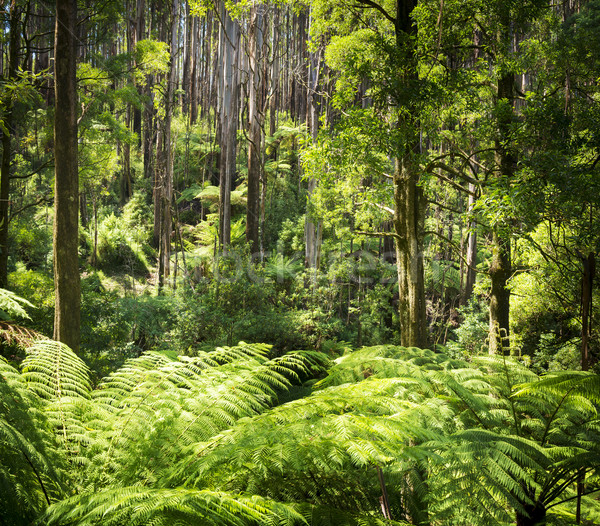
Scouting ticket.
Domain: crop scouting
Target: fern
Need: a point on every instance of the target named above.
(206, 439)
(32, 472)
(141, 506)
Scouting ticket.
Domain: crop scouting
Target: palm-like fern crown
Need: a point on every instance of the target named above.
(205, 440)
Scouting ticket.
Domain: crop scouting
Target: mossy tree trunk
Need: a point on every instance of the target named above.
(7, 131)
(66, 187)
(409, 200)
(500, 269)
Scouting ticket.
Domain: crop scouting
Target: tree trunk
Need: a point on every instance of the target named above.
(66, 188)
(409, 222)
(164, 160)
(589, 271)
(536, 516)
(229, 122)
(500, 269)
(409, 201)
(8, 119)
(255, 135)
(312, 229)
(471, 256)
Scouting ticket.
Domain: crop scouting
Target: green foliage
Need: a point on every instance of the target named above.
(120, 246)
(209, 438)
(151, 398)
(13, 306)
(473, 331)
(31, 246)
(37, 288)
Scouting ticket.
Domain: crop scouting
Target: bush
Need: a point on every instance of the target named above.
(119, 247)
(472, 334)
(31, 245)
(37, 288)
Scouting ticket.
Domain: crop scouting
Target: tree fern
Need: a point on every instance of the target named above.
(207, 440)
(135, 505)
(32, 471)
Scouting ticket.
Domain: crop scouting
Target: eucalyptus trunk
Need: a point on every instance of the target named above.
(313, 229)
(229, 121)
(163, 189)
(8, 119)
(501, 269)
(409, 222)
(409, 200)
(256, 120)
(471, 252)
(66, 187)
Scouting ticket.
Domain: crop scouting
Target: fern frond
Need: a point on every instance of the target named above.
(134, 505)
(584, 383)
(53, 371)
(158, 406)
(32, 470)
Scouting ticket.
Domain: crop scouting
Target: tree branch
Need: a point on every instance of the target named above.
(367, 4)
(443, 166)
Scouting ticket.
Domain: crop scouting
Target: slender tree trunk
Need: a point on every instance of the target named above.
(500, 269)
(471, 256)
(275, 70)
(313, 229)
(7, 104)
(229, 122)
(256, 118)
(589, 271)
(66, 188)
(164, 159)
(409, 204)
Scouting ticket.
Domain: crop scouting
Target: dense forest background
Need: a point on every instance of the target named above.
(342, 186)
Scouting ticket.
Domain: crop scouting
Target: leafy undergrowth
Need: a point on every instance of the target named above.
(236, 437)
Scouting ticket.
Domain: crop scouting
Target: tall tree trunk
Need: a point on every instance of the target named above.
(256, 119)
(313, 229)
(500, 269)
(471, 255)
(589, 271)
(66, 188)
(409, 202)
(7, 105)
(164, 158)
(409, 222)
(229, 121)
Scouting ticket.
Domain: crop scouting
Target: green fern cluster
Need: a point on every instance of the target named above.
(205, 440)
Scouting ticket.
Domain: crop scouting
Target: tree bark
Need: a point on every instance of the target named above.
(313, 229)
(229, 121)
(589, 271)
(66, 188)
(471, 255)
(500, 269)
(409, 222)
(409, 200)
(164, 159)
(256, 119)
(7, 104)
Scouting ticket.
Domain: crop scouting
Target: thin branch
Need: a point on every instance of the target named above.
(443, 166)
(35, 172)
(456, 247)
(378, 234)
(366, 4)
(43, 199)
